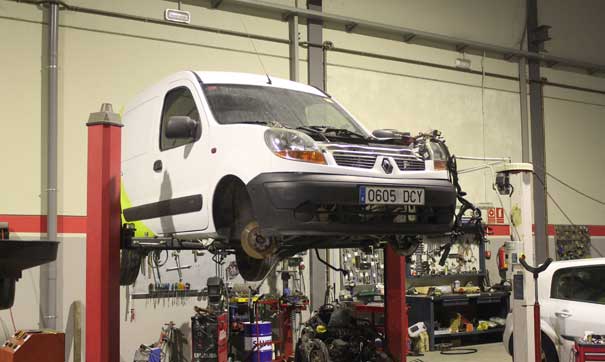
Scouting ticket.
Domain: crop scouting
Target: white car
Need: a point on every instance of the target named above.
(572, 301)
(270, 167)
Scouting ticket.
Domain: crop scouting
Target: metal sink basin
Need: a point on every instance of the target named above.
(18, 255)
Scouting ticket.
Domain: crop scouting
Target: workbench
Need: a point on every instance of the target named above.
(443, 308)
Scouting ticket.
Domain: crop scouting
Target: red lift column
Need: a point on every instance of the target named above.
(396, 315)
(103, 237)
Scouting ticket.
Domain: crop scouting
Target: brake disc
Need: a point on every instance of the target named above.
(255, 244)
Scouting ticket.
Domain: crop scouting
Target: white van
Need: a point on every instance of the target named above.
(269, 167)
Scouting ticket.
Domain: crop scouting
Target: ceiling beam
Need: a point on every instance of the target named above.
(392, 32)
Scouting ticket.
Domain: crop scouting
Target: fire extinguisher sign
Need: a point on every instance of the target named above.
(495, 216)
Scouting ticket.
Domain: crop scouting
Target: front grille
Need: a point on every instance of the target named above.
(410, 164)
(366, 156)
(354, 160)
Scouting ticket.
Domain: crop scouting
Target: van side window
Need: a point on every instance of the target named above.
(580, 284)
(178, 102)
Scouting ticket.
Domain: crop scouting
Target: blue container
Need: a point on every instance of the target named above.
(155, 355)
(258, 341)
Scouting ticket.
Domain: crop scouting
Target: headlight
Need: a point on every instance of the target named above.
(439, 156)
(293, 145)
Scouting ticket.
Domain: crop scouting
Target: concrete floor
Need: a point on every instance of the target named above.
(493, 352)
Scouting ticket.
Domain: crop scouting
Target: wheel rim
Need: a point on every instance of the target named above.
(254, 243)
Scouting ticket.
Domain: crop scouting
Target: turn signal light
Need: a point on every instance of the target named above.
(305, 156)
(440, 165)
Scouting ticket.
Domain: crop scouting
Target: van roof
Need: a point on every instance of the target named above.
(255, 79)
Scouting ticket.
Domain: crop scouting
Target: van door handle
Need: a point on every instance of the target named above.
(564, 314)
(157, 166)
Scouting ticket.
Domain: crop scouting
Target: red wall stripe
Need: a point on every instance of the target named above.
(37, 224)
(504, 230)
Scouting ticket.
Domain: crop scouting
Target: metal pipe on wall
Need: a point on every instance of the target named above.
(538, 151)
(50, 270)
(293, 46)
(315, 71)
(525, 155)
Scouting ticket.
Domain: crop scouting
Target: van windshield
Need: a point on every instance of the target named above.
(234, 103)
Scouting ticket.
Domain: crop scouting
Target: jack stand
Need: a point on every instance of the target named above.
(103, 236)
(396, 315)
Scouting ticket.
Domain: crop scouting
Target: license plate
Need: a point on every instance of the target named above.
(376, 195)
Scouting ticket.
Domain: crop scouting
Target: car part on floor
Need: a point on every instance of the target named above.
(333, 334)
(19, 255)
(537, 330)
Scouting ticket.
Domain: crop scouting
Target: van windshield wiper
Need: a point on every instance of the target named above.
(314, 131)
(264, 123)
(338, 131)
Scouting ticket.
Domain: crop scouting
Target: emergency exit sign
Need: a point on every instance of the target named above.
(495, 216)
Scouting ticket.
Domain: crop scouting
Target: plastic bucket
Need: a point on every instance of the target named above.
(258, 342)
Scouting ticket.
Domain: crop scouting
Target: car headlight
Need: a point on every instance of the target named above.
(439, 156)
(293, 145)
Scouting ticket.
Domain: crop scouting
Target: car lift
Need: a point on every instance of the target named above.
(103, 238)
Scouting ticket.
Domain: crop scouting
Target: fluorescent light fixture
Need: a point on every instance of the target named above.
(463, 63)
(177, 16)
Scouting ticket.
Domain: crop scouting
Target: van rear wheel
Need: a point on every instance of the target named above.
(130, 265)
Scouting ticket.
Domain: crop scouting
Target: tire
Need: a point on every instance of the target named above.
(7, 292)
(252, 269)
(130, 264)
(549, 352)
(548, 349)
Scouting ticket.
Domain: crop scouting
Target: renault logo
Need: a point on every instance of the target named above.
(386, 166)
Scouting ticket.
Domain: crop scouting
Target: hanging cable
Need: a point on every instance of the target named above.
(10, 310)
(563, 212)
(570, 187)
(344, 272)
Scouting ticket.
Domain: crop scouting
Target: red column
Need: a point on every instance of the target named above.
(396, 317)
(103, 237)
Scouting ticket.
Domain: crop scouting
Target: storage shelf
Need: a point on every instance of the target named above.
(473, 333)
(167, 294)
(451, 276)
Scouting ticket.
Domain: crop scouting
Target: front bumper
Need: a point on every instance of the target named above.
(290, 203)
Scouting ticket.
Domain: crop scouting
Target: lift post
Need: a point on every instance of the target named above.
(396, 312)
(523, 282)
(103, 236)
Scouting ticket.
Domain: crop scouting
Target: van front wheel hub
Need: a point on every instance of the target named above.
(254, 243)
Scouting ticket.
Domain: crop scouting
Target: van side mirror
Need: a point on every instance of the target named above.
(181, 127)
